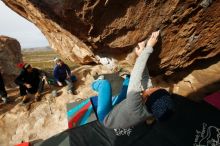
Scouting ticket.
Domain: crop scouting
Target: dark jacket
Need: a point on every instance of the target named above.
(32, 78)
(2, 85)
(3, 92)
(60, 72)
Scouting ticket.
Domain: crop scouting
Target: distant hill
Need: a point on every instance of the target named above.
(36, 49)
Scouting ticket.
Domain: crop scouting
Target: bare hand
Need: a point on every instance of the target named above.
(44, 78)
(140, 47)
(59, 83)
(138, 51)
(142, 44)
(153, 39)
(28, 86)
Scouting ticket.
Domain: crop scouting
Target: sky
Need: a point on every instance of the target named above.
(15, 26)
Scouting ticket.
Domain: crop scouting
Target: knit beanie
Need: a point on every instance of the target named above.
(20, 65)
(160, 104)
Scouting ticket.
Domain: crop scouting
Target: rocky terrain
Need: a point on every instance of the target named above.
(80, 30)
(186, 60)
(10, 56)
(40, 120)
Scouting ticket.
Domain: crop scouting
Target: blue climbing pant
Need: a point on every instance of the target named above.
(105, 100)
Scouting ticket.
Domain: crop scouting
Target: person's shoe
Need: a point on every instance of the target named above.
(24, 100)
(101, 77)
(5, 100)
(37, 96)
(124, 73)
(54, 93)
(72, 92)
(69, 91)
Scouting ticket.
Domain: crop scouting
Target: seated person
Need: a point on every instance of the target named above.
(31, 80)
(3, 92)
(142, 100)
(62, 75)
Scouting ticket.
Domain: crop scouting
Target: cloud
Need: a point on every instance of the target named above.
(15, 26)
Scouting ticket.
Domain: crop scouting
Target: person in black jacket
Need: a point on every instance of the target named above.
(31, 80)
(3, 92)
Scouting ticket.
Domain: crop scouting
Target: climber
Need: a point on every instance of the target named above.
(3, 92)
(62, 75)
(30, 80)
(142, 99)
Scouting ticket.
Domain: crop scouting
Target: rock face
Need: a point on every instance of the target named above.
(43, 119)
(10, 55)
(79, 29)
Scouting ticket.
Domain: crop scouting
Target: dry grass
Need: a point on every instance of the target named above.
(44, 60)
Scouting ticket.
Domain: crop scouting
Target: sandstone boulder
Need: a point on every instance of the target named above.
(43, 119)
(10, 56)
(79, 29)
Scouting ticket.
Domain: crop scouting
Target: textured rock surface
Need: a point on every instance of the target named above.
(196, 85)
(10, 55)
(36, 121)
(81, 29)
(189, 50)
